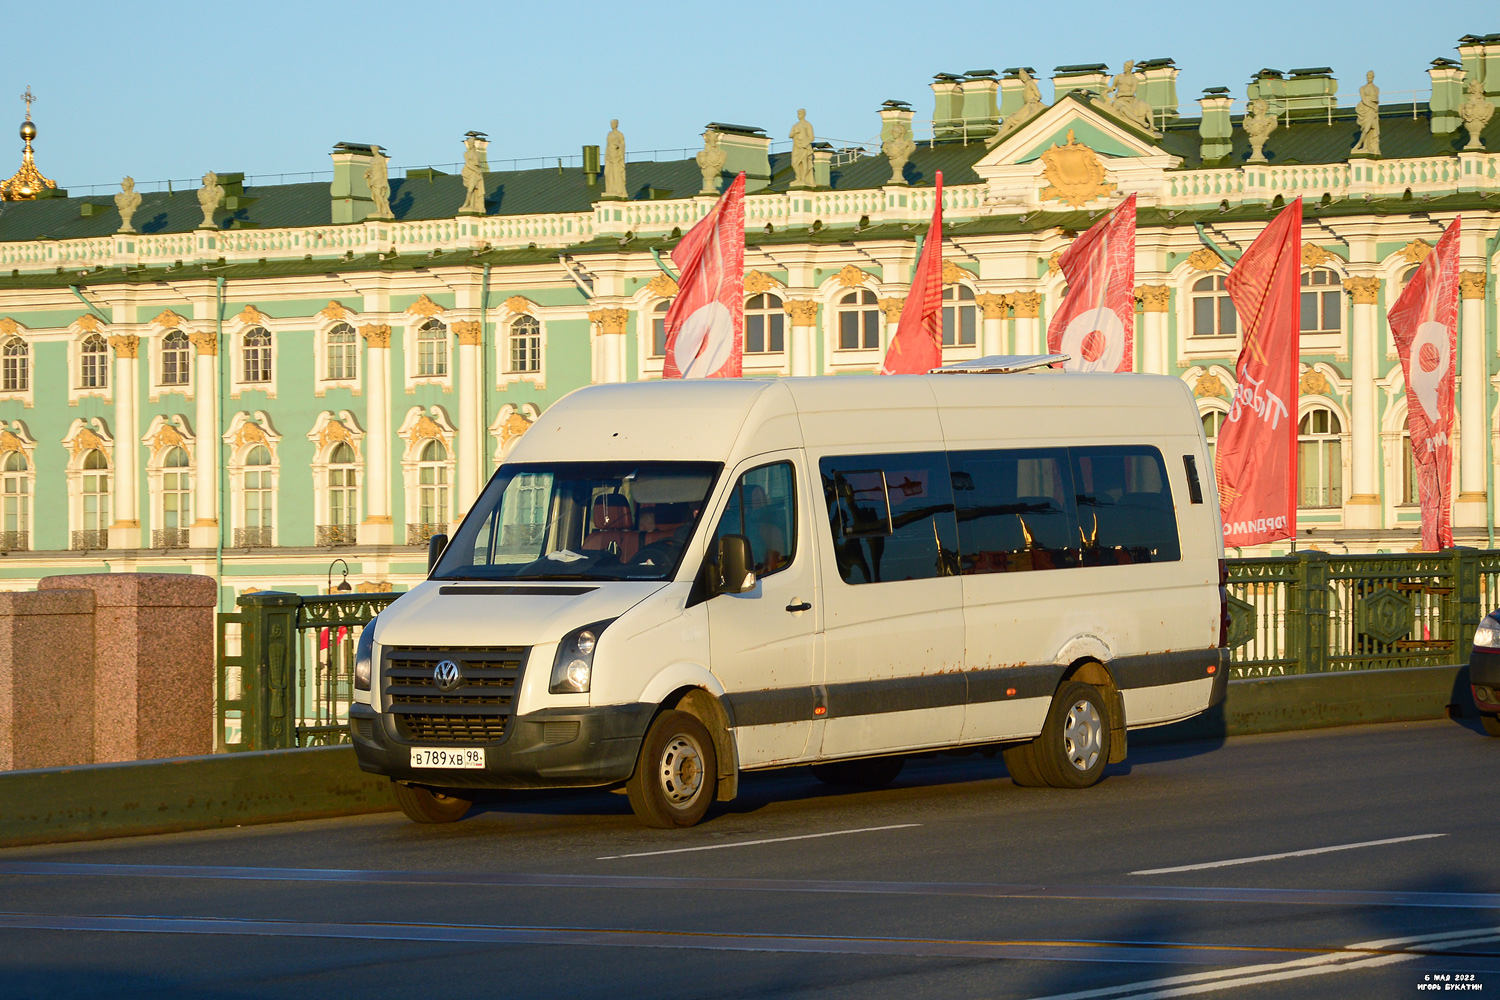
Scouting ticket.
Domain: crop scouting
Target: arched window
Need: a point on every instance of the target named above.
(343, 498)
(175, 358)
(960, 316)
(1213, 422)
(343, 352)
(432, 348)
(1213, 313)
(1321, 299)
(176, 501)
(859, 321)
(93, 524)
(432, 488)
(1402, 282)
(15, 372)
(259, 502)
(1320, 462)
(93, 363)
(258, 355)
(659, 329)
(15, 495)
(765, 325)
(525, 344)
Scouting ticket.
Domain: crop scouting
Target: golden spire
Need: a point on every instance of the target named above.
(27, 182)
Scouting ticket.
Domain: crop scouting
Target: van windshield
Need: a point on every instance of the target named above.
(580, 521)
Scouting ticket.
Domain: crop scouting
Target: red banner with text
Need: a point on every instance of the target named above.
(705, 325)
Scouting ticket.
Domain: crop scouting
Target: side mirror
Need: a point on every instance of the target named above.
(734, 565)
(435, 546)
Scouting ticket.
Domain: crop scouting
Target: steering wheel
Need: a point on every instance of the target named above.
(660, 553)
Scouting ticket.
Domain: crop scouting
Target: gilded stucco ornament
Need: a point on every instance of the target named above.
(663, 287)
(756, 283)
(168, 320)
(8, 326)
(614, 162)
(1471, 284)
(802, 152)
(1028, 305)
(1154, 298)
(378, 180)
(1204, 259)
(804, 312)
(1314, 255)
(88, 323)
(898, 147)
(892, 309)
(1367, 114)
(127, 201)
(1258, 124)
(1476, 111)
(852, 277)
(25, 184)
(376, 334)
(610, 321)
(520, 305)
(468, 332)
(166, 436)
(1074, 174)
(1209, 387)
(210, 196)
(711, 159)
(252, 316)
(993, 304)
(335, 310)
(206, 341)
(1416, 251)
(1053, 267)
(125, 345)
(1315, 383)
(953, 274)
(425, 307)
(1365, 290)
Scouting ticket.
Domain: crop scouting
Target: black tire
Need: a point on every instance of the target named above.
(1490, 722)
(1074, 744)
(677, 773)
(873, 772)
(428, 805)
(1020, 761)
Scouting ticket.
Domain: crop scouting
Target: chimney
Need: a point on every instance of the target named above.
(1013, 91)
(745, 148)
(1481, 59)
(822, 164)
(1216, 127)
(1447, 95)
(981, 114)
(591, 165)
(947, 105)
(1092, 77)
(1310, 92)
(1160, 87)
(350, 193)
(1268, 84)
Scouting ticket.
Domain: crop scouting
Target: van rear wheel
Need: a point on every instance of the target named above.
(677, 774)
(1020, 761)
(428, 805)
(1074, 743)
(875, 772)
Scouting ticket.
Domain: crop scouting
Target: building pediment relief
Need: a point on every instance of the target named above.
(1093, 126)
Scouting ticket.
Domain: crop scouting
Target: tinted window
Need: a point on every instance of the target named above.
(1124, 501)
(891, 516)
(763, 508)
(1015, 510)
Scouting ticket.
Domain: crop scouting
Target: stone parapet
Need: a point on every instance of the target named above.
(46, 679)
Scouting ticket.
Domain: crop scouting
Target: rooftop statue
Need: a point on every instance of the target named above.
(1031, 106)
(802, 152)
(1475, 112)
(614, 161)
(1367, 113)
(209, 197)
(473, 178)
(377, 179)
(1126, 104)
(898, 148)
(127, 201)
(1258, 124)
(711, 159)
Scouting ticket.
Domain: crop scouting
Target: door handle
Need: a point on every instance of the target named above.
(799, 606)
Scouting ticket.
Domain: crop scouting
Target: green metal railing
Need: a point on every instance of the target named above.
(286, 662)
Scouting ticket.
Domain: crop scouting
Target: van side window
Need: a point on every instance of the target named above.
(1015, 510)
(891, 516)
(1125, 511)
(763, 508)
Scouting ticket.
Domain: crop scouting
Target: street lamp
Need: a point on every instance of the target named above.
(344, 586)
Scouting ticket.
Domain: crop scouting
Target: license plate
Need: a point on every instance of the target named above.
(468, 757)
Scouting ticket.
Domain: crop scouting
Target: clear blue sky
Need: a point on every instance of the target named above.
(164, 89)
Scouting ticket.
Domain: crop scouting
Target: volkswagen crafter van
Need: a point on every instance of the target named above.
(670, 583)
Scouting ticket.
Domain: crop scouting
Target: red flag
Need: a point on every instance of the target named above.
(1096, 322)
(705, 324)
(1257, 447)
(917, 347)
(1424, 325)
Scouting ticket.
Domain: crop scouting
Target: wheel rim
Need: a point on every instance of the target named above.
(681, 770)
(1083, 735)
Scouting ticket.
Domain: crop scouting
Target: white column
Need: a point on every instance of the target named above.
(1469, 511)
(1028, 307)
(377, 529)
(891, 310)
(609, 344)
(1362, 509)
(804, 315)
(125, 532)
(204, 532)
(471, 429)
(992, 329)
(1153, 330)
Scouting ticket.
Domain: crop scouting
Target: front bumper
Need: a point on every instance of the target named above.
(551, 748)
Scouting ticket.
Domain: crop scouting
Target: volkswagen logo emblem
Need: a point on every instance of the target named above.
(446, 675)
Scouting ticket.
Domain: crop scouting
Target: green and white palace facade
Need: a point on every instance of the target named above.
(252, 381)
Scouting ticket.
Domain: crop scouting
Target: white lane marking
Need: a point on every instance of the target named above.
(1354, 956)
(1285, 854)
(752, 843)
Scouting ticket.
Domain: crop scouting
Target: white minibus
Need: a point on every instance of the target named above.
(667, 584)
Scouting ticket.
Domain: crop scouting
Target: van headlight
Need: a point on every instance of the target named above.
(364, 656)
(573, 668)
(1487, 634)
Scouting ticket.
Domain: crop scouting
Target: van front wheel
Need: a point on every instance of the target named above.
(676, 776)
(425, 805)
(1074, 744)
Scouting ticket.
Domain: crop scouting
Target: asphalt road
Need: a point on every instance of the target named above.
(952, 883)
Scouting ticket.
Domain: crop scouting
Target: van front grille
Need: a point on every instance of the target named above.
(476, 710)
